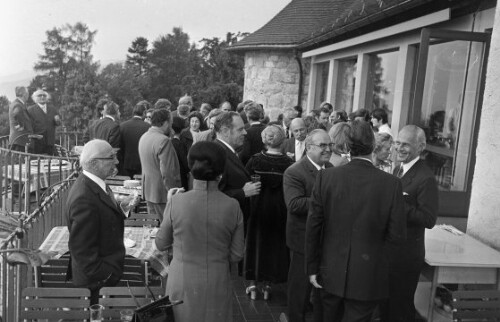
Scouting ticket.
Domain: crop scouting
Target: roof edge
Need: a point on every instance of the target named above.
(261, 47)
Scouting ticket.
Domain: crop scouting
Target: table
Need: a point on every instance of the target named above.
(457, 258)
(56, 244)
(42, 174)
(126, 191)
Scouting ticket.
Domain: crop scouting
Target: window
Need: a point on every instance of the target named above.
(381, 82)
(344, 92)
(321, 83)
(448, 91)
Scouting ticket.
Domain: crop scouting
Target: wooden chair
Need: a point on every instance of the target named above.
(141, 219)
(53, 273)
(115, 299)
(55, 304)
(483, 305)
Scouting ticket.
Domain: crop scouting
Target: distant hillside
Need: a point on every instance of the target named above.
(9, 82)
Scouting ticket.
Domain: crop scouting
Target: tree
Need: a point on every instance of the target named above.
(80, 95)
(65, 49)
(173, 62)
(222, 71)
(4, 115)
(139, 55)
(124, 86)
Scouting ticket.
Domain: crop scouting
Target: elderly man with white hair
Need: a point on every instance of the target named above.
(95, 222)
(45, 118)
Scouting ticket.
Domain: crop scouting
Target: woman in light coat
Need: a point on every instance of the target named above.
(205, 228)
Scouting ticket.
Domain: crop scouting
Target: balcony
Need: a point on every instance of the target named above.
(33, 189)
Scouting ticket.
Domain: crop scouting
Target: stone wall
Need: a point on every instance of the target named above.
(272, 78)
(484, 212)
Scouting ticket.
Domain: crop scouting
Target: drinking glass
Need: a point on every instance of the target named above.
(147, 229)
(96, 313)
(255, 178)
(126, 315)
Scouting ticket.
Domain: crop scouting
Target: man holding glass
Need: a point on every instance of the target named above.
(95, 222)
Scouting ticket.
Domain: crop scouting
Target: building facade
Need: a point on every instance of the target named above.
(425, 63)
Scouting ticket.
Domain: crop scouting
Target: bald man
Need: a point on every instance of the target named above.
(294, 147)
(95, 222)
(421, 205)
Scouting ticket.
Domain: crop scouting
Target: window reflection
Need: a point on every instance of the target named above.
(448, 108)
(321, 83)
(381, 82)
(344, 93)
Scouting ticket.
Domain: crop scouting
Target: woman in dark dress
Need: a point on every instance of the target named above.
(266, 256)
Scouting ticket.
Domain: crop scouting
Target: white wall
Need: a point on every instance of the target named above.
(484, 211)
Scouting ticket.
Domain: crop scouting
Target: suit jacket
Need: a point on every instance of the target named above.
(106, 129)
(181, 152)
(186, 138)
(96, 228)
(160, 166)
(234, 178)
(253, 142)
(356, 210)
(289, 147)
(298, 182)
(18, 116)
(130, 133)
(421, 200)
(44, 123)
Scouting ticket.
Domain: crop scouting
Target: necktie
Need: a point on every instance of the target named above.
(399, 171)
(111, 195)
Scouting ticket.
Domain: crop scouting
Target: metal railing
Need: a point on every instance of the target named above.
(33, 189)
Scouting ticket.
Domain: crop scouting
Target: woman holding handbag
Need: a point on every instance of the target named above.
(205, 229)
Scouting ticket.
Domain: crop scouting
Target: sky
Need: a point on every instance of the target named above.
(23, 24)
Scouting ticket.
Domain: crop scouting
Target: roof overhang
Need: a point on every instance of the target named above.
(261, 47)
(417, 23)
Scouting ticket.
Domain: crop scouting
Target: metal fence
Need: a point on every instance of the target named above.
(33, 189)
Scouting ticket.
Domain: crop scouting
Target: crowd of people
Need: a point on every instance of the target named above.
(330, 203)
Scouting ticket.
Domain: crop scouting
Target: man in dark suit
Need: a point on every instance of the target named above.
(95, 222)
(45, 119)
(235, 181)
(253, 140)
(130, 133)
(355, 211)
(107, 128)
(420, 208)
(294, 147)
(19, 120)
(298, 182)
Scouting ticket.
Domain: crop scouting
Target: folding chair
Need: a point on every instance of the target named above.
(141, 219)
(482, 305)
(115, 299)
(55, 304)
(53, 273)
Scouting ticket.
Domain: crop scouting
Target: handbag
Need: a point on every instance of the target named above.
(156, 311)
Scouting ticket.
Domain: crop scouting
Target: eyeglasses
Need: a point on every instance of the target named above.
(323, 146)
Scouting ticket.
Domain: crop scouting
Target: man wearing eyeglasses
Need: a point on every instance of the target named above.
(355, 211)
(45, 119)
(298, 182)
(95, 222)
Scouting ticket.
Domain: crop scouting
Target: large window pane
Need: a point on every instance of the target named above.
(448, 110)
(321, 83)
(381, 82)
(346, 79)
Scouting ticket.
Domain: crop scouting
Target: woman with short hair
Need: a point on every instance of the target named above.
(266, 254)
(205, 228)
